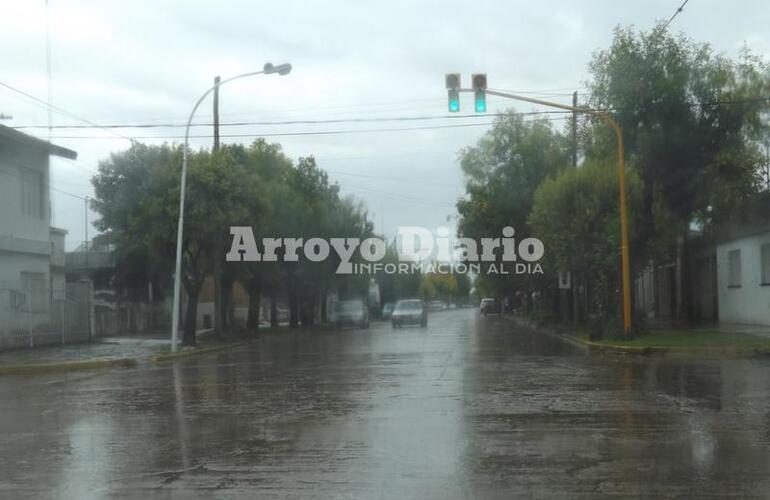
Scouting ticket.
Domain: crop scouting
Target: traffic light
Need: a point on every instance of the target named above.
(453, 91)
(479, 92)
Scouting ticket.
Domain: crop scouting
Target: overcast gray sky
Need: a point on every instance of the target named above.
(148, 62)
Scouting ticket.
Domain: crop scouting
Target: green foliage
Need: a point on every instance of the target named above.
(576, 216)
(691, 121)
(502, 173)
(394, 287)
(137, 197)
(439, 286)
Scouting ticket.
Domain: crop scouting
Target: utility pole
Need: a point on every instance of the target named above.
(89, 285)
(85, 219)
(574, 129)
(573, 276)
(217, 81)
(48, 68)
(219, 306)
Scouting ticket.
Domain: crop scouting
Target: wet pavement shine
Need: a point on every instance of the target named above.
(468, 408)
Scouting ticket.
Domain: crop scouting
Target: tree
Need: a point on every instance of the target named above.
(137, 197)
(397, 286)
(269, 168)
(502, 173)
(576, 216)
(124, 182)
(439, 285)
(690, 120)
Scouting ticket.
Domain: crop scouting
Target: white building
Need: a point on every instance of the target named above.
(31, 251)
(743, 277)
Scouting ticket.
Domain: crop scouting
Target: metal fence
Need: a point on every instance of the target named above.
(44, 316)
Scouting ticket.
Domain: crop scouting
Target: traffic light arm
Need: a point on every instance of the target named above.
(622, 194)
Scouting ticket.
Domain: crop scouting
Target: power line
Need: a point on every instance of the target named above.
(359, 106)
(46, 185)
(304, 133)
(85, 168)
(293, 122)
(678, 11)
(282, 134)
(61, 110)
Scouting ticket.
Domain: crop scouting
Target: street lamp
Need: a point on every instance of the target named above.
(268, 69)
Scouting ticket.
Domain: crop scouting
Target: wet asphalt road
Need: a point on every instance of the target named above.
(469, 408)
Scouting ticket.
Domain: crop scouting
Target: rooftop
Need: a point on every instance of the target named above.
(11, 134)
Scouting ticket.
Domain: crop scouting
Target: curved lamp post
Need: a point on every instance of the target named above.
(281, 69)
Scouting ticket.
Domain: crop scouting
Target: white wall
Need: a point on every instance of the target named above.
(750, 303)
(13, 264)
(25, 244)
(13, 222)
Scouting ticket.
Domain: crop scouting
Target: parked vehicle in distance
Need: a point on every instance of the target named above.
(409, 312)
(436, 305)
(387, 310)
(352, 313)
(490, 305)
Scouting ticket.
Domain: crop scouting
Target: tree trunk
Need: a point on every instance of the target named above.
(293, 306)
(217, 274)
(682, 281)
(227, 306)
(191, 315)
(308, 309)
(273, 311)
(226, 296)
(324, 313)
(255, 293)
(230, 309)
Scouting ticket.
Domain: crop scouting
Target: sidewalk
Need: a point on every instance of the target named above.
(102, 352)
(711, 340)
(755, 330)
(126, 347)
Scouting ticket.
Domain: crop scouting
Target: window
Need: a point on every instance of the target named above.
(734, 268)
(32, 193)
(764, 258)
(34, 290)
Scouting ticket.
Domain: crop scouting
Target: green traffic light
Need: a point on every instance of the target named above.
(454, 101)
(480, 101)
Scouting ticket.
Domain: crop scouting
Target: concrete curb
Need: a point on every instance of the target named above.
(728, 351)
(193, 352)
(67, 366)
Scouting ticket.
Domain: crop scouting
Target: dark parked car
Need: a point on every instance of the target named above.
(352, 313)
(490, 306)
(409, 312)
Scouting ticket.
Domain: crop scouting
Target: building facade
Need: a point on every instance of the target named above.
(31, 251)
(743, 275)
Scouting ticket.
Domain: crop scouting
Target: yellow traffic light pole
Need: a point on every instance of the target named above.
(624, 253)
